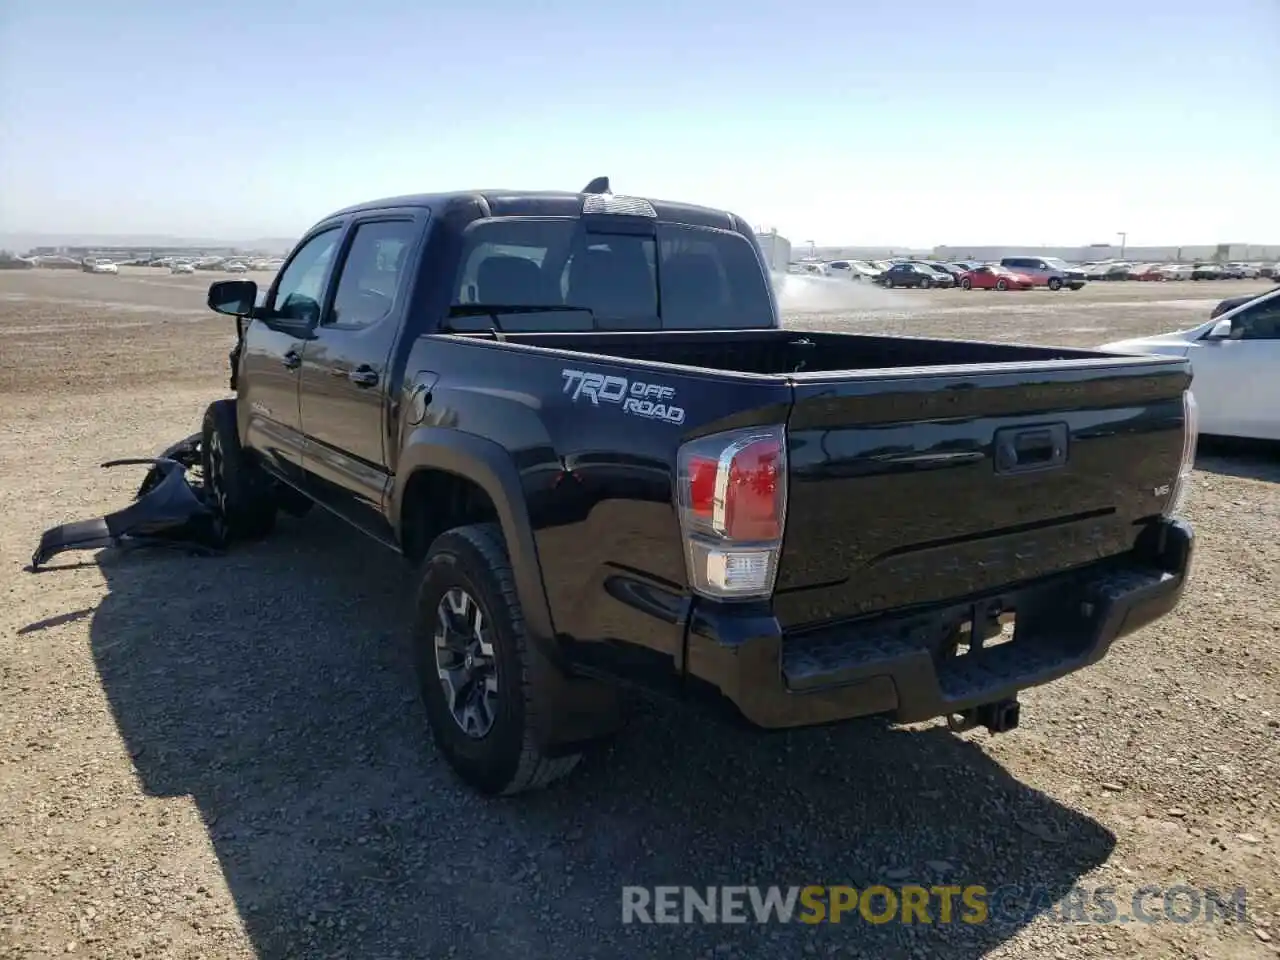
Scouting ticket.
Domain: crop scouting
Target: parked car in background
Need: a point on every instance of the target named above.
(9, 261)
(1176, 271)
(1267, 270)
(1146, 271)
(853, 269)
(1206, 271)
(1240, 271)
(921, 275)
(955, 271)
(181, 267)
(1048, 272)
(1234, 357)
(1118, 271)
(100, 266)
(989, 277)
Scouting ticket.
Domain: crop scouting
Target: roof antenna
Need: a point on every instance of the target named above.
(598, 185)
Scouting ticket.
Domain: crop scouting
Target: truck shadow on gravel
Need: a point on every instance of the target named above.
(1246, 459)
(273, 685)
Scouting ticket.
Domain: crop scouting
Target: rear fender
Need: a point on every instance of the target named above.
(572, 710)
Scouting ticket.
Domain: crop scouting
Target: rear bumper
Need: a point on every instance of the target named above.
(902, 666)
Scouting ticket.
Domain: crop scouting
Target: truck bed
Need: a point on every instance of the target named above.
(786, 352)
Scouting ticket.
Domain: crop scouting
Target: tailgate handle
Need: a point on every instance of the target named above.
(1023, 449)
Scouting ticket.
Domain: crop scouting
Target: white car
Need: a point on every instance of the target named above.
(1176, 271)
(1235, 367)
(235, 266)
(181, 268)
(103, 266)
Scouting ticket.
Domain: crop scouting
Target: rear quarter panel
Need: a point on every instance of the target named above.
(597, 479)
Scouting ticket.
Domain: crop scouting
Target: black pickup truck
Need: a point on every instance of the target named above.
(580, 414)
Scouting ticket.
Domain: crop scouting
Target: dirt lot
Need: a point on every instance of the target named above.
(224, 757)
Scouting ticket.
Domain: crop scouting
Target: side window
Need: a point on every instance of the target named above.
(507, 274)
(1261, 323)
(371, 273)
(301, 287)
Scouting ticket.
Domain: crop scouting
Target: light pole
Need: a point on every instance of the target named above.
(813, 250)
(1123, 237)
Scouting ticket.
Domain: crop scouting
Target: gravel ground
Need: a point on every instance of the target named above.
(206, 758)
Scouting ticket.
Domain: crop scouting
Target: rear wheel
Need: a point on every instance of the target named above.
(966, 284)
(1002, 284)
(473, 660)
(241, 491)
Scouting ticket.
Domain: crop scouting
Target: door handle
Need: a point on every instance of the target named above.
(363, 376)
(292, 360)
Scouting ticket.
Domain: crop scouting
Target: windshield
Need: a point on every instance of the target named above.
(682, 278)
(1056, 263)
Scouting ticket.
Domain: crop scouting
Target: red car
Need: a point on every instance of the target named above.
(995, 277)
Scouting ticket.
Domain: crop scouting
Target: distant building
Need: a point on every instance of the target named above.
(776, 250)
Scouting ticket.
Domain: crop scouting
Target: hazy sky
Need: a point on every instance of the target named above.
(915, 122)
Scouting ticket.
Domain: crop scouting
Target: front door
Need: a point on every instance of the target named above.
(271, 359)
(1236, 380)
(345, 371)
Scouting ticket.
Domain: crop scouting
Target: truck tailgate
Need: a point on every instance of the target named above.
(916, 487)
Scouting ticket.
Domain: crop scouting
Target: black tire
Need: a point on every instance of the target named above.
(1002, 284)
(241, 491)
(966, 284)
(503, 760)
(1055, 283)
(925, 283)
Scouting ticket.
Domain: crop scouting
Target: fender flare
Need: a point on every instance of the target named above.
(489, 465)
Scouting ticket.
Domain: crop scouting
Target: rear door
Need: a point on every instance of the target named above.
(912, 488)
(345, 375)
(271, 358)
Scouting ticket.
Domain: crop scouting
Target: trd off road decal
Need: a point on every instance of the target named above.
(649, 400)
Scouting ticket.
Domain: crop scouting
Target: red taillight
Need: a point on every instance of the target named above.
(732, 490)
(749, 506)
(752, 507)
(702, 487)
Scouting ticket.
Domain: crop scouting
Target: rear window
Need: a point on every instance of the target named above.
(684, 278)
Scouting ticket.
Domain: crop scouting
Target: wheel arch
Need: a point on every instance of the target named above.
(443, 461)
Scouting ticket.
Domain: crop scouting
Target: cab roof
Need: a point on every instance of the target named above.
(542, 203)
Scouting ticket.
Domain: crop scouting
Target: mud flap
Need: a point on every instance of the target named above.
(168, 510)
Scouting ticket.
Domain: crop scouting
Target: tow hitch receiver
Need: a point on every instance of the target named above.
(168, 510)
(1000, 716)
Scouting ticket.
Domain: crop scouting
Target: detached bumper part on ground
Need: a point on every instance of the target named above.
(167, 511)
(905, 665)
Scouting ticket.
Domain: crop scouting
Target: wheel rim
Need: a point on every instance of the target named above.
(465, 663)
(1000, 285)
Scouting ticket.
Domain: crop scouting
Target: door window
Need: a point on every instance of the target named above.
(1261, 322)
(371, 273)
(300, 289)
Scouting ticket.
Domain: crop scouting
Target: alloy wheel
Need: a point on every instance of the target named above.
(465, 662)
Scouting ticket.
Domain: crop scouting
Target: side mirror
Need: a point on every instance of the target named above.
(235, 298)
(1221, 330)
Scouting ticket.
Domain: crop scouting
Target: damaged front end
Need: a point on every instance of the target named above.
(170, 509)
